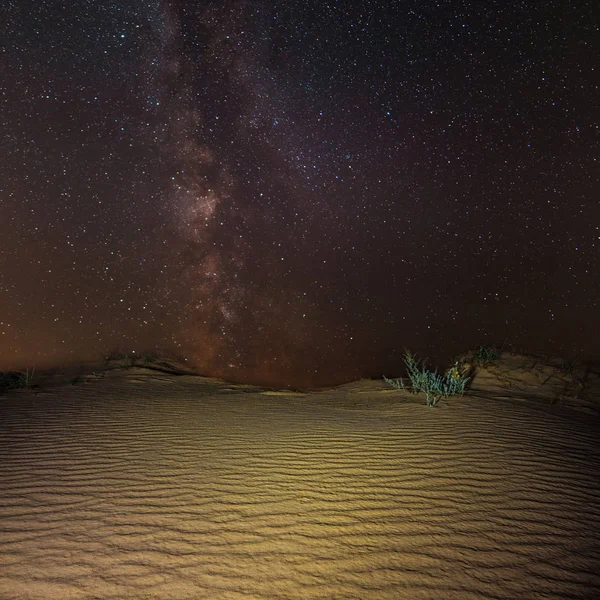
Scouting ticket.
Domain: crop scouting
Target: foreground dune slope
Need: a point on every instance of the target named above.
(148, 485)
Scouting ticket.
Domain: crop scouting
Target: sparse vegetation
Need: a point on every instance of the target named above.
(114, 355)
(149, 356)
(129, 359)
(568, 366)
(17, 380)
(434, 385)
(153, 359)
(484, 356)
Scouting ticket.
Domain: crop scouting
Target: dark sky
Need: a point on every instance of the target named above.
(294, 192)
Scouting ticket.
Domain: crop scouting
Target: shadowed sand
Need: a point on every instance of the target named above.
(141, 484)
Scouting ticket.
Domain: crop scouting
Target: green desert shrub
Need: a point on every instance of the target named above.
(484, 356)
(434, 385)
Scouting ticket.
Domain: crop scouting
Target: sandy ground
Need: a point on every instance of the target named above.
(140, 484)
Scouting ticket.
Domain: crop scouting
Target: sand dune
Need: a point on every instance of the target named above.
(141, 484)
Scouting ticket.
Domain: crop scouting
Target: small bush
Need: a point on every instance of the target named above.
(128, 359)
(568, 366)
(114, 355)
(484, 356)
(17, 380)
(434, 385)
(149, 356)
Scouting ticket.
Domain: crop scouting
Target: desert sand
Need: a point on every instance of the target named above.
(137, 483)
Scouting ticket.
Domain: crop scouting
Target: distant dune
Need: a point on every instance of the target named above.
(144, 482)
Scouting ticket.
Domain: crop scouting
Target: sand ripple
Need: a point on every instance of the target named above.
(140, 487)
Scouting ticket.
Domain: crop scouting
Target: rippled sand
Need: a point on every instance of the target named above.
(147, 485)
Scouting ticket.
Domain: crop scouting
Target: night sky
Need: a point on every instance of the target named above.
(293, 192)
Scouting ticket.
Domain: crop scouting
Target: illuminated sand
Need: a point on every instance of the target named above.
(147, 485)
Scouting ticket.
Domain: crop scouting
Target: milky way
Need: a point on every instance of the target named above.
(294, 192)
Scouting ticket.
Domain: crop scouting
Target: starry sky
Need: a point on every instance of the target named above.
(292, 193)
